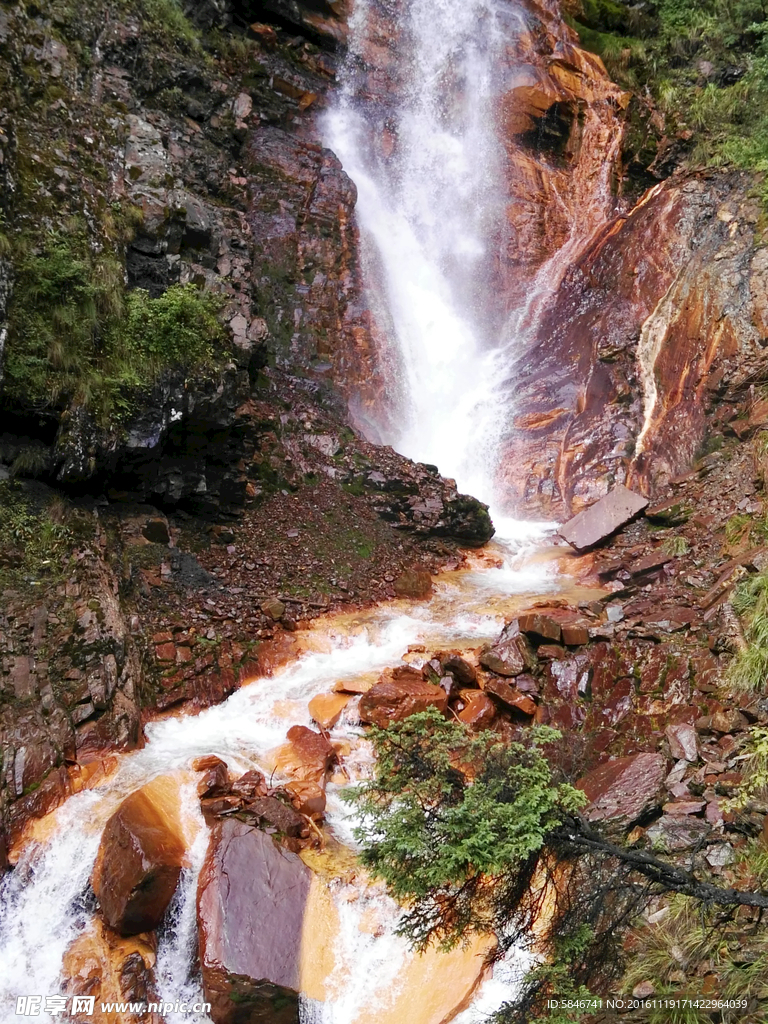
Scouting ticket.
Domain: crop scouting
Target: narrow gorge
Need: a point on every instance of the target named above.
(332, 337)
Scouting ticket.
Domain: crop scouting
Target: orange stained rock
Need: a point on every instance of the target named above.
(100, 963)
(326, 708)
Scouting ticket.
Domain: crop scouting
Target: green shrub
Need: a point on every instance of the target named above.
(451, 820)
(75, 336)
(749, 669)
(705, 64)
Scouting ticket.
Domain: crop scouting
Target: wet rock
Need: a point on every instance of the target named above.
(604, 518)
(462, 671)
(307, 755)
(140, 858)
(399, 693)
(540, 627)
(479, 711)
(309, 798)
(416, 583)
(271, 812)
(510, 657)
(623, 790)
(215, 781)
(252, 896)
(575, 635)
(510, 696)
(326, 708)
(250, 785)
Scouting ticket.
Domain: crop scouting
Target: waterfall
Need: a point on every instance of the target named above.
(426, 211)
(417, 126)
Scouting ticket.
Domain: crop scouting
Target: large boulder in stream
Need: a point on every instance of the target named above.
(252, 897)
(399, 693)
(140, 858)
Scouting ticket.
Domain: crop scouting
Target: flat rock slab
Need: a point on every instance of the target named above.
(624, 790)
(252, 896)
(605, 517)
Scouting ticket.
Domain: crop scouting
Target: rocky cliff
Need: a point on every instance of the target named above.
(180, 322)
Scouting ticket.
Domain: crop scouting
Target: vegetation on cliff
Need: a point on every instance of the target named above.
(698, 70)
(474, 834)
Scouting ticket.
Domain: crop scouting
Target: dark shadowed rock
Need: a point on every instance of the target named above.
(624, 790)
(251, 900)
(606, 516)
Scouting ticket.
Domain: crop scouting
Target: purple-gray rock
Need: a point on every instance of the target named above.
(605, 517)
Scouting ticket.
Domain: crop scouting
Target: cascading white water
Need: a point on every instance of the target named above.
(44, 902)
(427, 211)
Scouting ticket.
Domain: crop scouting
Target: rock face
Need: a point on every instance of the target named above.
(622, 791)
(606, 516)
(661, 315)
(400, 692)
(140, 858)
(251, 901)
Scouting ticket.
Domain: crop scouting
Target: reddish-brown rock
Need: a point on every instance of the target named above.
(415, 583)
(605, 517)
(462, 671)
(623, 790)
(509, 657)
(479, 710)
(509, 695)
(307, 755)
(540, 627)
(683, 742)
(251, 901)
(400, 693)
(326, 708)
(140, 858)
(309, 798)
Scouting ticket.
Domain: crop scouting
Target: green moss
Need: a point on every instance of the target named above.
(75, 336)
(36, 538)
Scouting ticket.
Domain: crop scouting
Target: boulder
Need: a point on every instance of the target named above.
(250, 786)
(462, 671)
(674, 832)
(273, 607)
(683, 742)
(308, 797)
(306, 756)
(252, 896)
(277, 815)
(400, 693)
(510, 696)
(140, 858)
(540, 627)
(509, 657)
(479, 710)
(728, 721)
(575, 635)
(626, 789)
(415, 583)
(605, 517)
(326, 708)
